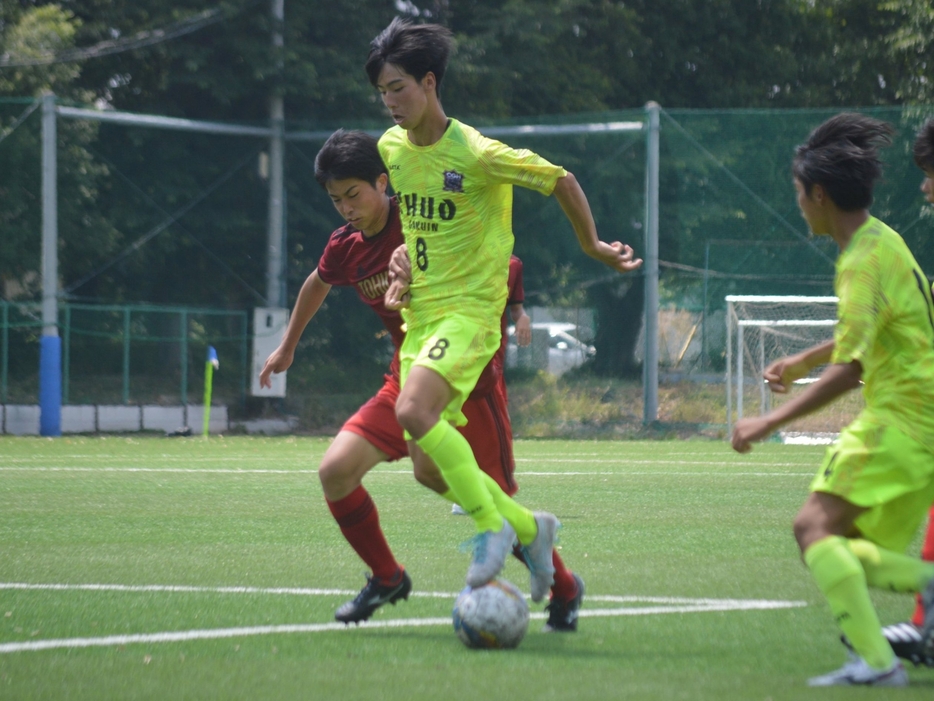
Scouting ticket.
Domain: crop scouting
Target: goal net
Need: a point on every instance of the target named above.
(762, 329)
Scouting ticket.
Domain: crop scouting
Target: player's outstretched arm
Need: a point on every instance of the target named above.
(837, 379)
(310, 297)
(781, 374)
(574, 202)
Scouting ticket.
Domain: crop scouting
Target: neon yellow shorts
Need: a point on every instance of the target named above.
(457, 347)
(885, 471)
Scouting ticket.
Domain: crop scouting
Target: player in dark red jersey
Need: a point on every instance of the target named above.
(350, 168)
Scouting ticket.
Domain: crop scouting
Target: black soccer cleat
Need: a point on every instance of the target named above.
(905, 639)
(371, 597)
(562, 615)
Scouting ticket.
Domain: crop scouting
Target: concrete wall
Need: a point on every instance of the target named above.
(23, 419)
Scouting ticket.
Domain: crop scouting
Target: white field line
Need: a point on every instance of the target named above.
(303, 591)
(674, 605)
(605, 455)
(530, 473)
(13, 462)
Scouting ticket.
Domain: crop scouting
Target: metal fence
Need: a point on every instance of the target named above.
(126, 354)
(181, 218)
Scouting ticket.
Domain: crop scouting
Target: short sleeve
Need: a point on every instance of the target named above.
(330, 265)
(521, 167)
(516, 289)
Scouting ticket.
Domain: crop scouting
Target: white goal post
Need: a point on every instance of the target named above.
(763, 328)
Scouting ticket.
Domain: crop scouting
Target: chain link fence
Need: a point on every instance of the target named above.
(181, 219)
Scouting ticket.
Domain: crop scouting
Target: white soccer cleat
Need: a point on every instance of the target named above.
(538, 555)
(457, 510)
(490, 549)
(857, 673)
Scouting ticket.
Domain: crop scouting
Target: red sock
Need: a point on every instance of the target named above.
(565, 587)
(927, 553)
(359, 522)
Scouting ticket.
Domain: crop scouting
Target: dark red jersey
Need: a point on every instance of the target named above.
(515, 295)
(350, 258)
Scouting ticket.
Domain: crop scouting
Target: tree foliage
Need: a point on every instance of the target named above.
(147, 215)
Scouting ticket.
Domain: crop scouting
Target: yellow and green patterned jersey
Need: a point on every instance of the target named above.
(886, 322)
(455, 202)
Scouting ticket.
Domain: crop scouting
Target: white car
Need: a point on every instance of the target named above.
(564, 349)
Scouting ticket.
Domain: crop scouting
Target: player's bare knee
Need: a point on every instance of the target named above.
(425, 481)
(807, 530)
(412, 416)
(327, 473)
(336, 479)
(799, 528)
(431, 479)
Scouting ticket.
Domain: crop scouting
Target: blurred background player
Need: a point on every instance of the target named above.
(350, 169)
(905, 638)
(455, 197)
(877, 481)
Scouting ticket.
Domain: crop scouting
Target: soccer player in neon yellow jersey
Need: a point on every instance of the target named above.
(905, 637)
(877, 481)
(454, 188)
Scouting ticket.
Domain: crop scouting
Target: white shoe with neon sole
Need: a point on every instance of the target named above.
(490, 549)
(857, 673)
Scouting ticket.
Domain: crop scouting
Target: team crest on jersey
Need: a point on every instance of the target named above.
(453, 181)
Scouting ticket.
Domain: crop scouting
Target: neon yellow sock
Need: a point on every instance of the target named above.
(841, 578)
(519, 517)
(890, 570)
(453, 456)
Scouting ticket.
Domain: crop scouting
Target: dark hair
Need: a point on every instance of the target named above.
(349, 154)
(924, 147)
(842, 156)
(418, 49)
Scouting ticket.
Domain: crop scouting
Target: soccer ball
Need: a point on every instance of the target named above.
(495, 615)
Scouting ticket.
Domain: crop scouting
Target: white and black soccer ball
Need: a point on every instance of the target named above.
(495, 615)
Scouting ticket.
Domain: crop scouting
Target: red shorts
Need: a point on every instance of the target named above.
(488, 430)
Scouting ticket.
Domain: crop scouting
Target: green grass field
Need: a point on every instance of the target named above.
(159, 568)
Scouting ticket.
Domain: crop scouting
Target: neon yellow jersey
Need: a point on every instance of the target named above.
(455, 201)
(887, 323)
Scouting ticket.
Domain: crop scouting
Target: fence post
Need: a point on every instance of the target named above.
(740, 378)
(729, 368)
(650, 362)
(184, 351)
(50, 344)
(66, 353)
(244, 363)
(705, 360)
(5, 360)
(276, 255)
(126, 355)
